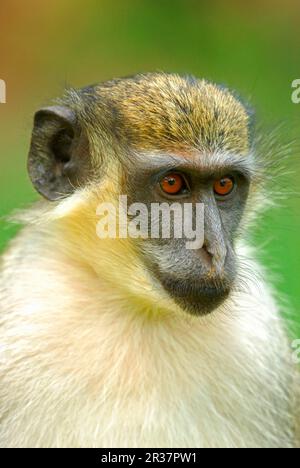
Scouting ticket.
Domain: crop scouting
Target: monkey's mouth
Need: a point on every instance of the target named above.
(197, 298)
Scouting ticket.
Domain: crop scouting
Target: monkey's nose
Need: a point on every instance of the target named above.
(213, 259)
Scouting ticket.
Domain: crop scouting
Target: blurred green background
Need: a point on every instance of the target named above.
(251, 46)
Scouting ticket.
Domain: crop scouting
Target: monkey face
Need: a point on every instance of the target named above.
(198, 279)
(175, 140)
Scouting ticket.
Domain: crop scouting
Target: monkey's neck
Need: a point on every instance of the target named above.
(156, 367)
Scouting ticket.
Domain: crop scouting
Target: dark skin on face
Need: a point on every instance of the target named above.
(198, 280)
(177, 139)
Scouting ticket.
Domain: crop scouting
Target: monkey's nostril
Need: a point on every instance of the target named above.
(206, 256)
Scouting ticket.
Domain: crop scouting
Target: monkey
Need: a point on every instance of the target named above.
(141, 342)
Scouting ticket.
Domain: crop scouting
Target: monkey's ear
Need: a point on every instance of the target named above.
(58, 159)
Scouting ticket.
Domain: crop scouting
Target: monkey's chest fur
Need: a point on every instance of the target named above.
(76, 371)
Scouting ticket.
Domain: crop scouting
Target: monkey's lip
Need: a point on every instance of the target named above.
(197, 298)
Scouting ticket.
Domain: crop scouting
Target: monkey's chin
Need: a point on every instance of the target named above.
(196, 299)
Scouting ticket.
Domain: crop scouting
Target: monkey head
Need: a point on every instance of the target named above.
(156, 138)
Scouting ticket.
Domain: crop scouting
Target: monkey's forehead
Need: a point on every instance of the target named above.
(170, 112)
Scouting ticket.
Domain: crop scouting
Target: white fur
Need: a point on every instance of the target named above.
(84, 363)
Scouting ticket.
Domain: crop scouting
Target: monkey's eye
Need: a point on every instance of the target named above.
(174, 184)
(224, 186)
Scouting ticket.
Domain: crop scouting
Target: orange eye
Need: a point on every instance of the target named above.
(172, 184)
(224, 186)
